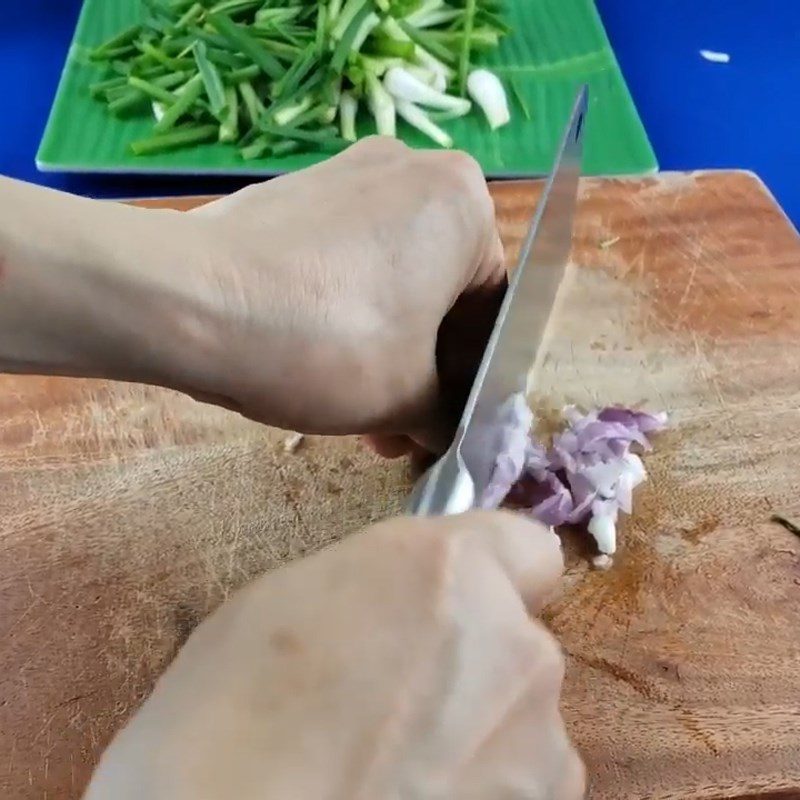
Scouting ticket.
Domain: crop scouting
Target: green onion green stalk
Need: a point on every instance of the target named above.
(274, 77)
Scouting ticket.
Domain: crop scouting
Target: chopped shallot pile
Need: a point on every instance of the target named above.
(587, 475)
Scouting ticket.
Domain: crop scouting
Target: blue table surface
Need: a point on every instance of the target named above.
(698, 114)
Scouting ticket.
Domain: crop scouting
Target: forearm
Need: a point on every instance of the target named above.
(89, 288)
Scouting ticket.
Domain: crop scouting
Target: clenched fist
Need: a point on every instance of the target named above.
(334, 282)
(313, 302)
(403, 663)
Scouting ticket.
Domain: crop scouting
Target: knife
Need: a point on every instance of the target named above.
(517, 343)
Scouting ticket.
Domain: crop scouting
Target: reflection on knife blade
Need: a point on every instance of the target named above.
(517, 342)
(464, 472)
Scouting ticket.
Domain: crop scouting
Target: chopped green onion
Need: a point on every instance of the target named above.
(243, 74)
(249, 137)
(212, 39)
(192, 14)
(118, 52)
(287, 114)
(430, 14)
(381, 105)
(173, 79)
(285, 147)
(348, 109)
(186, 99)
(480, 38)
(229, 127)
(212, 82)
(345, 43)
(324, 136)
(312, 82)
(180, 137)
(315, 113)
(351, 9)
(428, 43)
(276, 76)
(131, 100)
(319, 31)
(288, 52)
(157, 55)
(101, 87)
(234, 6)
(368, 24)
(253, 106)
(255, 149)
(152, 90)
(334, 9)
(403, 85)
(416, 117)
(122, 39)
(242, 40)
(295, 74)
(492, 20)
(383, 45)
(487, 91)
(466, 44)
(225, 58)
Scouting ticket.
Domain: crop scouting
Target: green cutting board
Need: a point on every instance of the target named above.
(555, 46)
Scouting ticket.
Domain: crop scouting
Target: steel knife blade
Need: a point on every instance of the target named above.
(518, 340)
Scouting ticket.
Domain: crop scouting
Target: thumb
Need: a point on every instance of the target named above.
(528, 553)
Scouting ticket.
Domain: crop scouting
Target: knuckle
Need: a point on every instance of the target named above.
(453, 170)
(377, 147)
(465, 168)
(454, 180)
(536, 659)
(466, 180)
(251, 192)
(546, 663)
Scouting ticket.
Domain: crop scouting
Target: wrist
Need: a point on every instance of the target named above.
(95, 289)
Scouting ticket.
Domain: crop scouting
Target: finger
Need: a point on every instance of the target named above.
(491, 270)
(434, 439)
(528, 755)
(211, 399)
(372, 150)
(572, 784)
(472, 204)
(496, 568)
(528, 553)
(388, 445)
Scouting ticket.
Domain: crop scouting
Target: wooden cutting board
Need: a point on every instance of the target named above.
(128, 513)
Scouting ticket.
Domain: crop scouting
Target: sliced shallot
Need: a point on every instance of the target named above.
(588, 474)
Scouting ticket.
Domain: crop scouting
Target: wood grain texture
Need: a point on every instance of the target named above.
(128, 513)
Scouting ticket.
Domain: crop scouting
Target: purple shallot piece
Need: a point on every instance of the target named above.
(588, 474)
